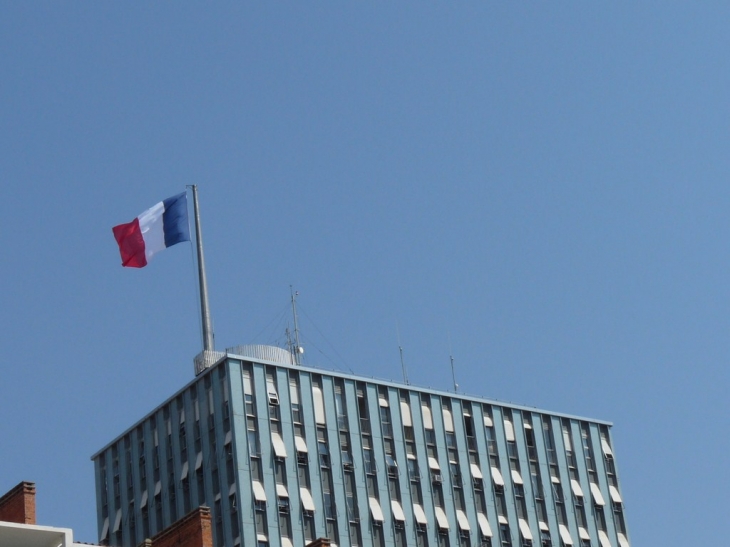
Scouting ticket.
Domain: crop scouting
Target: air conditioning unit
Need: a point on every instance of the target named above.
(273, 399)
(437, 479)
(348, 466)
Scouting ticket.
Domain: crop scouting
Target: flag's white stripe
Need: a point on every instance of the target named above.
(153, 233)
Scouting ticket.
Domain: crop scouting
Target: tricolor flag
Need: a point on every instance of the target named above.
(158, 228)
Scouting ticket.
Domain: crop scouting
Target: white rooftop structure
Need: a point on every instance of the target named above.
(31, 535)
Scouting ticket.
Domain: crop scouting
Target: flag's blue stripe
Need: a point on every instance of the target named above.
(175, 219)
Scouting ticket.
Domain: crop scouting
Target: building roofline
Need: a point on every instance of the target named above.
(354, 377)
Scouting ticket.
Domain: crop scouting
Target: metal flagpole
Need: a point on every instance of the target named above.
(208, 355)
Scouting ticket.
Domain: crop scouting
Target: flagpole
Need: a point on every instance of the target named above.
(208, 340)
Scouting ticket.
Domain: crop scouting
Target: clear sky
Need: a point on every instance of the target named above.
(540, 189)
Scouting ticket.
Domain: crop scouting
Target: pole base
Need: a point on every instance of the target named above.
(206, 359)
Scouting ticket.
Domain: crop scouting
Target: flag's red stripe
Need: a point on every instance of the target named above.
(131, 244)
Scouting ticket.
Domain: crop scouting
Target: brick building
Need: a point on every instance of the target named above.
(18, 526)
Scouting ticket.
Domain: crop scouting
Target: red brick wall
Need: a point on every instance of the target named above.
(18, 505)
(193, 530)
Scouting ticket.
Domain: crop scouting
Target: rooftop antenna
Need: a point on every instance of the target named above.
(298, 350)
(290, 345)
(400, 349)
(453, 374)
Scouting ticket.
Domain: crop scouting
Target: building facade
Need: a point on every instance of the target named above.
(284, 454)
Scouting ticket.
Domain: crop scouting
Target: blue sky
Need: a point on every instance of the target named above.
(540, 189)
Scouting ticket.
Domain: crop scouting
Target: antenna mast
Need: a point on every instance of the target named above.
(402, 361)
(453, 374)
(298, 350)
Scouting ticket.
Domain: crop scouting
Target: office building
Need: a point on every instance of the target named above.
(285, 454)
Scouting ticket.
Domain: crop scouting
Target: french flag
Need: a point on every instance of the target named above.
(158, 228)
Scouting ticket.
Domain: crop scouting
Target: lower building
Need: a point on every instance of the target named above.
(18, 526)
(284, 454)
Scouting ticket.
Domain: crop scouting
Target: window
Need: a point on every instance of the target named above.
(271, 392)
(405, 412)
(504, 534)
(329, 507)
(398, 515)
(385, 421)
(497, 477)
(278, 442)
(525, 531)
(463, 521)
(597, 496)
(392, 465)
(369, 462)
(448, 420)
(340, 409)
(248, 396)
(362, 408)
(376, 511)
(484, 529)
(565, 535)
(347, 462)
(351, 508)
(509, 430)
(413, 473)
(427, 419)
(253, 444)
(307, 501)
(282, 498)
(455, 475)
(420, 516)
(441, 520)
(324, 456)
(319, 416)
